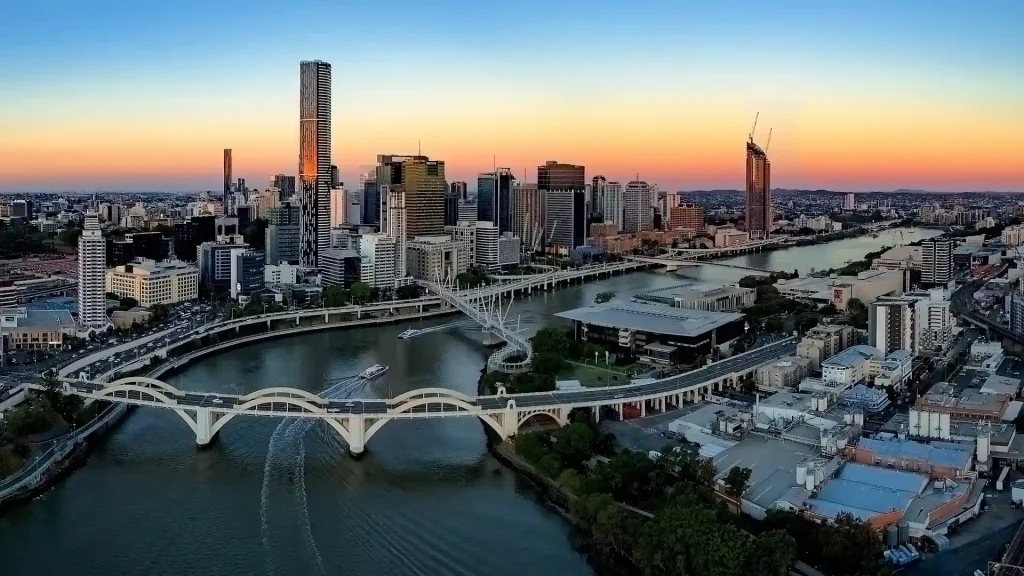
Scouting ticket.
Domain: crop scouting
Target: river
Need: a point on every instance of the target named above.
(279, 497)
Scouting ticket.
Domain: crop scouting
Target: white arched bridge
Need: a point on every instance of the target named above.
(357, 420)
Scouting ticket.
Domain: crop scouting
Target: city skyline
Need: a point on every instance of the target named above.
(859, 98)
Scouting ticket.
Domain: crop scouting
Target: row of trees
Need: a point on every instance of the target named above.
(19, 239)
(362, 293)
(40, 413)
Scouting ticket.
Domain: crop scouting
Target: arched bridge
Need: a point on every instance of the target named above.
(357, 420)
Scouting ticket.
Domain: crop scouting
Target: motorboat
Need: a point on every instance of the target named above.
(409, 333)
(373, 371)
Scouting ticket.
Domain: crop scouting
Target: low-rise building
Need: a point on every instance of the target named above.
(849, 367)
(728, 237)
(782, 374)
(823, 342)
(26, 329)
(434, 258)
(894, 370)
(899, 258)
(839, 290)
(710, 297)
(912, 456)
(340, 267)
(617, 244)
(149, 282)
(125, 319)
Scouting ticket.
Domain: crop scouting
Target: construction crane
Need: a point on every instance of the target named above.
(769, 143)
(754, 129)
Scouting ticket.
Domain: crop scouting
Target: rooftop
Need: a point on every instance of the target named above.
(651, 318)
(692, 291)
(909, 449)
(852, 357)
(153, 268)
(772, 466)
(996, 384)
(867, 491)
(30, 318)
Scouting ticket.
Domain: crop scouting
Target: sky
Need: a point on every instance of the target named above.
(859, 96)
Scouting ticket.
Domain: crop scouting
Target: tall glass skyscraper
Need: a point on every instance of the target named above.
(759, 193)
(314, 159)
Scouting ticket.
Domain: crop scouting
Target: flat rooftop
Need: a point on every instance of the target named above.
(651, 318)
(772, 465)
(996, 384)
(41, 319)
(867, 491)
(696, 291)
(851, 357)
(909, 449)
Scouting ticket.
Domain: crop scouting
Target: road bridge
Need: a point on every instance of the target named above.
(671, 261)
(357, 420)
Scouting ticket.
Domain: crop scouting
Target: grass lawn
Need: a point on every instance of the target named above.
(594, 375)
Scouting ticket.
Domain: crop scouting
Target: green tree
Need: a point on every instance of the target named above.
(550, 465)
(335, 296)
(69, 236)
(361, 292)
(604, 297)
(408, 292)
(773, 554)
(575, 444)
(551, 339)
(547, 363)
(532, 446)
(128, 302)
(736, 481)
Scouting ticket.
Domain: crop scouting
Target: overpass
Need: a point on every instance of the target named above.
(357, 420)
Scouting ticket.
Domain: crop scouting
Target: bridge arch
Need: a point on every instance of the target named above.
(247, 406)
(430, 393)
(155, 394)
(487, 418)
(152, 382)
(530, 415)
(276, 390)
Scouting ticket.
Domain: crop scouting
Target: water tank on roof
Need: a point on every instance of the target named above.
(819, 476)
(915, 423)
(944, 426)
(904, 532)
(936, 422)
(801, 474)
(809, 482)
(892, 537)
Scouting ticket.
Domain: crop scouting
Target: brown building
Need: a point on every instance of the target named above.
(689, 216)
(758, 193)
(619, 244)
(422, 181)
(557, 176)
(604, 229)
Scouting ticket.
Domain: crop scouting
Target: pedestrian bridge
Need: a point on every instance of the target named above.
(357, 420)
(676, 261)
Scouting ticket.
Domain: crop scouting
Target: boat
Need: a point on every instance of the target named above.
(409, 333)
(373, 371)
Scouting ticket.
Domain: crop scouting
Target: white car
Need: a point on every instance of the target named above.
(218, 401)
(334, 410)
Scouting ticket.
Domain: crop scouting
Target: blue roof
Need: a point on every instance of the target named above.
(884, 477)
(909, 449)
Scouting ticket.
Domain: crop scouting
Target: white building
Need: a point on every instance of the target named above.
(339, 206)
(899, 258)
(937, 261)
(281, 273)
(613, 203)
(726, 237)
(1013, 235)
(377, 254)
(894, 370)
(486, 255)
(850, 201)
(509, 249)
(92, 267)
(150, 282)
(915, 321)
(849, 366)
(396, 227)
(636, 207)
(465, 233)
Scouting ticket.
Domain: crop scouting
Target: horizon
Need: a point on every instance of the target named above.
(872, 98)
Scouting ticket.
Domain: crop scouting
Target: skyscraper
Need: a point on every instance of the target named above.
(335, 177)
(597, 190)
(285, 184)
(759, 192)
(227, 175)
(528, 214)
(459, 189)
(612, 210)
(493, 198)
(314, 159)
(564, 190)
(636, 207)
(92, 269)
(422, 181)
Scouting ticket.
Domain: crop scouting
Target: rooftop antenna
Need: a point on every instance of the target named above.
(769, 141)
(419, 148)
(754, 129)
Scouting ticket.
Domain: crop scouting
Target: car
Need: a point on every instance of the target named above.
(334, 410)
(349, 403)
(617, 396)
(218, 401)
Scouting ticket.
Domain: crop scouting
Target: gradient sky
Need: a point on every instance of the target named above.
(869, 95)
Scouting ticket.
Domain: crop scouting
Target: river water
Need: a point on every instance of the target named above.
(281, 497)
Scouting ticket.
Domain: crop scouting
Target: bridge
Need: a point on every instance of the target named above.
(357, 420)
(675, 261)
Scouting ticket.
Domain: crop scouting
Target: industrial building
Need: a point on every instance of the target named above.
(656, 333)
(839, 290)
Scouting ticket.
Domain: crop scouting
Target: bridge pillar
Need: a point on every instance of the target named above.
(296, 319)
(204, 426)
(643, 408)
(325, 317)
(509, 420)
(357, 435)
(597, 414)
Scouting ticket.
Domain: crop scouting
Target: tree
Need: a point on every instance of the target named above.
(575, 444)
(128, 302)
(335, 296)
(552, 340)
(547, 363)
(69, 236)
(550, 465)
(408, 292)
(604, 297)
(773, 554)
(361, 292)
(736, 481)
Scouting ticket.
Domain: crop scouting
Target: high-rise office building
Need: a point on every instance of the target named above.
(528, 215)
(377, 254)
(285, 184)
(612, 210)
(557, 176)
(598, 185)
(339, 206)
(459, 189)
(758, 202)
(493, 198)
(227, 175)
(397, 225)
(335, 177)
(687, 217)
(283, 234)
(22, 209)
(191, 234)
(937, 261)
(637, 215)
(849, 201)
(315, 158)
(563, 187)
(92, 270)
(451, 207)
(422, 181)
(371, 201)
(247, 274)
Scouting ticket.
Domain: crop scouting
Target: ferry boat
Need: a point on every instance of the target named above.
(373, 371)
(409, 333)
